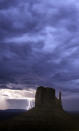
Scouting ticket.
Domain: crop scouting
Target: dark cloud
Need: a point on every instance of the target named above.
(72, 106)
(39, 43)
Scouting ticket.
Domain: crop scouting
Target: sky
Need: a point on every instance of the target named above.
(39, 45)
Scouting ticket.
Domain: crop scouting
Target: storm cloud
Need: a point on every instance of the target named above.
(39, 43)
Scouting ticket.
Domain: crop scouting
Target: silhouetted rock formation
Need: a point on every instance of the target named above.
(47, 114)
(45, 98)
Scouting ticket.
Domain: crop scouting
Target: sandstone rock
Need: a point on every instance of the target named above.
(45, 98)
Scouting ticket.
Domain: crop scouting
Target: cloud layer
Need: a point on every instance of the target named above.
(39, 43)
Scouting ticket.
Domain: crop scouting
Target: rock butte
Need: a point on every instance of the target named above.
(47, 114)
(45, 98)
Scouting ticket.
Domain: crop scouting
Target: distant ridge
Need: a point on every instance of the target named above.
(9, 113)
(13, 110)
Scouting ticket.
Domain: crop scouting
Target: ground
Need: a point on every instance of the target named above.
(42, 119)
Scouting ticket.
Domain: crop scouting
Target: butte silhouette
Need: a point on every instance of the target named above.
(48, 114)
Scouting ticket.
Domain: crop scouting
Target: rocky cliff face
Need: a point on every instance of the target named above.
(45, 98)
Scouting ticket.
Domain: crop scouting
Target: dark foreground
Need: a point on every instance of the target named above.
(10, 113)
(42, 120)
